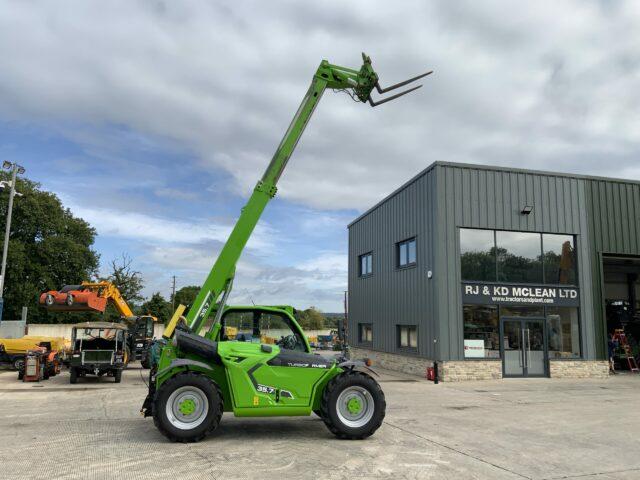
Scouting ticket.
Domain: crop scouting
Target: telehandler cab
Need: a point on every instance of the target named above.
(256, 361)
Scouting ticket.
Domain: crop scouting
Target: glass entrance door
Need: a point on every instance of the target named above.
(524, 350)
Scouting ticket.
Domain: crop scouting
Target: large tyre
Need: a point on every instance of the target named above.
(49, 300)
(69, 300)
(18, 363)
(73, 375)
(117, 376)
(145, 361)
(187, 408)
(353, 405)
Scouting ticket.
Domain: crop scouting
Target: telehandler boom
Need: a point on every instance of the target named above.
(359, 84)
(238, 365)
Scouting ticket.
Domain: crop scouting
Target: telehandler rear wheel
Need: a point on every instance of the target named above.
(187, 407)
(353, 405)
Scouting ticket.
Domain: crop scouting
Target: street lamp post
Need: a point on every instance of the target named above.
(15, 170)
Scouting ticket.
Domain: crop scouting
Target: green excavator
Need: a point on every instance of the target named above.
(255, 361)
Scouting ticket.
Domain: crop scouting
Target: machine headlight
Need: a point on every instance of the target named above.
(139, 345)
(76, 355)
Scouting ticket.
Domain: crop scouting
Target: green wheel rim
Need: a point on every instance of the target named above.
(187, 407)
(355, 406)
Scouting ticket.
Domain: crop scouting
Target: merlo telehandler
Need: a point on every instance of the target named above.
(265, 367)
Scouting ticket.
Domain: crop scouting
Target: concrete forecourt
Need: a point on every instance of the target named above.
(493, 429)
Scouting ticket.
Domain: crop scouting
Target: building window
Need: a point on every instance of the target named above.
(563, 330)
(478, 254)
(366, 264)
(559, 259)
(365, 334)
(408, 336)
(519, 257)
(406, 253)
(481, 331)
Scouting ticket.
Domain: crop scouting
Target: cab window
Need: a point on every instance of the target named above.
(275, 329)
(150, 328)
(238, 325)
(261, 327)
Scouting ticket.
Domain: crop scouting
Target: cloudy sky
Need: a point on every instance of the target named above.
(154, 120)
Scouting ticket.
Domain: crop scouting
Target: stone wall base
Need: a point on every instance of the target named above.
(447, 371)
(579, 369)
(458, 371)
(393, 361)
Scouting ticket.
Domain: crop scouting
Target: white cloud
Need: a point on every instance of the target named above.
(547, 85)
(328, 262)
(318, 281)
(159, 230)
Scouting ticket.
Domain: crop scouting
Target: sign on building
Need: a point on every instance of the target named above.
(506, 294)
(474, 348)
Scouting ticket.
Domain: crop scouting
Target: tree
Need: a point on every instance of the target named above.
(158, 307)
(48, 248)
(186, 295)
(126, 279)
(311, 319)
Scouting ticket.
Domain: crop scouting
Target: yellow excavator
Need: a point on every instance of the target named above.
(95, 296)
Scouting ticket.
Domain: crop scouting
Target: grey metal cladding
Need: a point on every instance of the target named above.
(393, 296)
(604, 214)
(614, 228)
(473, 197)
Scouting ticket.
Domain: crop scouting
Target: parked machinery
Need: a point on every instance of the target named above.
(99, 348)
(48, 361)
(13, 351)
(95, 296)
(34, 367)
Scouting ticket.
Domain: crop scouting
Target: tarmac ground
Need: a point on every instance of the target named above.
(504, 429)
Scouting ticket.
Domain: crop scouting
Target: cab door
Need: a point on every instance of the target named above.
(277, 368)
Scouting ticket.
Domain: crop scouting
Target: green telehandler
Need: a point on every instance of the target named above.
(255, 361)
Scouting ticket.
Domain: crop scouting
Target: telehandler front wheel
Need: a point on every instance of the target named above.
(187, 407)
(353, 405)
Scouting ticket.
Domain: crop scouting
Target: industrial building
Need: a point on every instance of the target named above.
(496, 272)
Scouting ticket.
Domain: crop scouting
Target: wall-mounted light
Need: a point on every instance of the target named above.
(526, 210)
